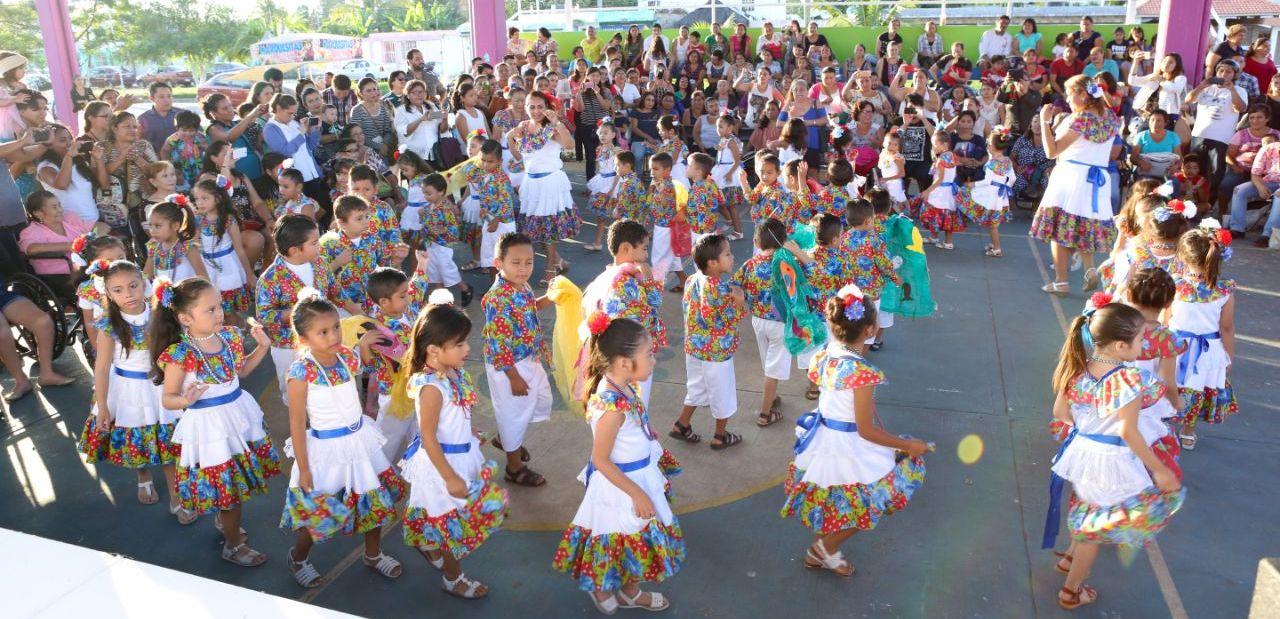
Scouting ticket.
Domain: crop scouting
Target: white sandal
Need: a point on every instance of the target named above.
(1188, 441)
(606, 607)
(149, 487)
(217, 524)
(185, 516)
(1058, 288)
(469, 593)
(252, 558)
(827, 561)
(384, 564)
(304, 572)
(657, 602)
(437, 563)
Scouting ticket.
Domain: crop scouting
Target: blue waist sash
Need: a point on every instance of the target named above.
(625, 467)
(1003, 190)
(338, 432)
(218, 254)
(1197, 344)
(608, 174)
(449, 448)
(416, 204)
(1097, 176)
(955, 187)
(1056, 483)
(130, 373)
(809, 423)
(225, 398)
(537, 174)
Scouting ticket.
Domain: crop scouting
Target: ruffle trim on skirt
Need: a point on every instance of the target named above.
(460, 531)
(611, 561)
(550, 228)
(239, 300)
(226, 485)
(1051, 224)
(1210, 405)
(131, 448)
(325, 516)
(1132, 522)
(942, 220)
(851, 506)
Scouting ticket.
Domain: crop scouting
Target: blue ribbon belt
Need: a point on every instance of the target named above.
(955, 188)
(130, 373)
(538, 174)
(417, 204)
(1097, 177)
(338, 432)
(625, 467)
(1197, 344)
(449, 448)
(1056, 483)
(608, 174)
(226, 252)
(810, 422)
(1003, 190)
(225, 398)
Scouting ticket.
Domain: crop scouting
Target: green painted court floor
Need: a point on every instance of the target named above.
(966, 546)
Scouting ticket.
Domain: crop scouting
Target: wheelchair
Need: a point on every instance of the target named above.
(68, 322)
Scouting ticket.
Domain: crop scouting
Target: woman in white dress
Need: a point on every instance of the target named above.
(546, 212)
(1075, 211)
(419, 121)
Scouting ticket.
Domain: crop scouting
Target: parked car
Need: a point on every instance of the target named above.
(112, 76)
(230, 84)
(224, 67)
(175, 75)
(360, 68)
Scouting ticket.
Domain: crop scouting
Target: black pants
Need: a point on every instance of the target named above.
(586, 141)
(1214, 154)
(11, 260)
(317, 189)
(137, 233)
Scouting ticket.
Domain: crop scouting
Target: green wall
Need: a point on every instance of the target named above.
(842, 39)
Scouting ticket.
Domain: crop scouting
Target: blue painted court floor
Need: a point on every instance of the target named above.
(966, 546)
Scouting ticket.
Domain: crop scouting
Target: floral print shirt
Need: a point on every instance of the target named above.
(1097, 128)
(710, 318)
(401, 326)
(186, 154)
(308, 370)
(639, 300)
(834, 201)
(90, 298)
(773, 201)
(844, 371)
(832, 269)
(277, 292)
(440, 223)
(166, 259)
(210, 368)
(662, 202)
(384, 224)
(1195, 291)
(1159, 342)
(511, 331)
(367, 252)
(1106, 395)
(494, 190)
(629, 198)
(703, 207)
(870, 262)
(754, 277)
(462, 391)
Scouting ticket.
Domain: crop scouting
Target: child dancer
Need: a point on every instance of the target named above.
(940, 215)
(832, 269)
(85, 250)
(128, 427)
(185, 148)
(171, 254)
(514, 356)
(1203, 318)
(225, 454)
(396, 303)
(353, 251)
(725, 173)
(413, 174)
(769, 199)
(666, 211)
(297, 266)
(628, 201)
(627, 288)
(795, 139)
(755, 277)
(1151, 291)
(454, 505)
(470, 207)
(609, 549)
(341, 482)
(848, 472)
(383, 222)
(497, 199)
(1101, 397)
(893, 168)
(440, 229)
(842, 190)
(601, 186)
(870, 266)
(221, 249)
(292, 201)
(1129, 221)
(1162, 223)
(706, 202)
(712, 310)
(669, 132)
(986, 202)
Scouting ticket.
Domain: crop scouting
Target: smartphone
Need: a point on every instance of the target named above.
(41, 134)
(1216, 81)
(85, 148)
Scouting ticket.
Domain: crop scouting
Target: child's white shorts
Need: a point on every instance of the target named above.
(489, 241)
(440, 266)
(514, 413)
(774, 357)
(712, 384)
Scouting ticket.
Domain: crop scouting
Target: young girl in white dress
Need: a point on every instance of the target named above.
(602, 184)
(725, 172)
(547, 213)
(669, 133)
(127, 426)
(454, 504)
(624, 532)
(1122, 493)
(848, 472)
(892, 167)
(987, 201)
(341, 482)
(172, 251)
(226, 455)
(470, 206)
(1203, 319)
(221, 249)
(940, 216)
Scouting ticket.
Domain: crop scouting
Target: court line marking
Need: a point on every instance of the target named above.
(1164, 577)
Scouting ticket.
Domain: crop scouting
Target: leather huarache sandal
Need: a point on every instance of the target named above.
(1072, 600)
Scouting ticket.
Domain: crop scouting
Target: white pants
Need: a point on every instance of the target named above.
(803, 359)
(489, 242)
(884, 320)
(663, 259)
(774, 357)
(514, 413)
(440, 266)
(712, 384)
(282, 358)
(398, 432)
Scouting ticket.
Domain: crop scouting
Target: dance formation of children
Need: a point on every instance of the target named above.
(1151, 353)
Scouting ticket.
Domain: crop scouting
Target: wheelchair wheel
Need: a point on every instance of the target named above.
(43, 296)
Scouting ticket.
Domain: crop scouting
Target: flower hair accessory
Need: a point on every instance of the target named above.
(440, 296)
(1209, 223)
(97, 267)
(78, 246)
(1098, 301)
(224, 183)
(1092, 87)
(1003, 132)
(308, 293)
(853, 301)
(164, 293)
(478, 133)
(178, 198)
(598, 322)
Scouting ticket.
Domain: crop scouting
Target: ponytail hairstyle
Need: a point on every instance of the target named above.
(439, 325)
(668, 123)
(170, 300)
(311, 304)
(459, 93)
(88, 246)
(610, 340)
(222, 203)
(1169, 220)
(1106, 323)
(101, 271)
(1203, 249)
(850, 314)
(1128, 217)
(177, 209)
(1001, 138)
(1151, 288)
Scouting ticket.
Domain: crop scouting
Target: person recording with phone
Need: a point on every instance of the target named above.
(298, 140)
(1219, 103)
(419, 121)
(590, 105)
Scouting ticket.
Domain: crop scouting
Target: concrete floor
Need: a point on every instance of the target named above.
(966, 546)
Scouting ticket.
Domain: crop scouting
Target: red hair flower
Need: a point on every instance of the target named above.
(178, 198)
(78, 245)
(163, 290)
(598, 322)
(1224, 237)
(1101, 299)
(97, 267)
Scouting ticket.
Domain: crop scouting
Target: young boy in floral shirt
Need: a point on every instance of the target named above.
(705, 199)
(383, 222)
(665, 211)
(354, 251)
(871, 266)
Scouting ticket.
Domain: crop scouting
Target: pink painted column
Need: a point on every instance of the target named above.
(1188, 35)
(60, 53)
(488, 29)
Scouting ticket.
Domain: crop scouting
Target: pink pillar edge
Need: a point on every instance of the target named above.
(60, 54)
(488, 28)
(1188, 34)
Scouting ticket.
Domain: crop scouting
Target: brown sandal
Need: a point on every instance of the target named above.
(684, 433)
(1075, 599)
(1062, 556)
(526, 477)
(812, 392)
(524, 453)
(765, 420)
